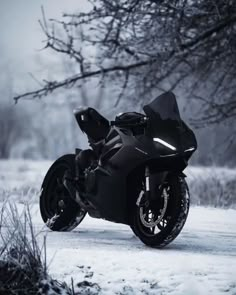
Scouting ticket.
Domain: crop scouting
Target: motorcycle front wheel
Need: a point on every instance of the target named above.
(58, 210)
(157, 226)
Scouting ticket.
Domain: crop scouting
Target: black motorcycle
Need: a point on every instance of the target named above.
(133, 173)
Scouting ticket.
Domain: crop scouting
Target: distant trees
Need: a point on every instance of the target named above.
(14, 120)
(13, 128)
(152, 45)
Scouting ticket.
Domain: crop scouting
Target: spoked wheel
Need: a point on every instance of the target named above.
(158, 224)
(58, 210)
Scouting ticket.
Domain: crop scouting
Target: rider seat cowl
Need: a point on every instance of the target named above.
(92, 123)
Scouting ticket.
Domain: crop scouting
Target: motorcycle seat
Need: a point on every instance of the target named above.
(92, 123)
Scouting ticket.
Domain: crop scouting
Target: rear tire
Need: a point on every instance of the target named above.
(173, 220)
(58, 210)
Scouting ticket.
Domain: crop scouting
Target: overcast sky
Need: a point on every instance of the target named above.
(20, 34)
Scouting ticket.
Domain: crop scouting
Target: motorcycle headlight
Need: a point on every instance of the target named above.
(166, 144)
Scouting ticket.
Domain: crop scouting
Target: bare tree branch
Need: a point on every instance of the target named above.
(151, 43)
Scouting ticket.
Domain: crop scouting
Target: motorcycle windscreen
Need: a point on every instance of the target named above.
(166, 123)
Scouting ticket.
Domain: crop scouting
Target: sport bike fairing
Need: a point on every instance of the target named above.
(166, 124)
(111, 196)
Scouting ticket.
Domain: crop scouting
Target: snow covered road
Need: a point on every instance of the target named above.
(202, 260)
(111, 260)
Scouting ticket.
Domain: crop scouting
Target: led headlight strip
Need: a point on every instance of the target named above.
(164, 143)
(190, 149)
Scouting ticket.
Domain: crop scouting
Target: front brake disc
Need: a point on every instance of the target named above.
(144, 216)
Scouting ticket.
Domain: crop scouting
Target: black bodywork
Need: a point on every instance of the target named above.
(123, 148)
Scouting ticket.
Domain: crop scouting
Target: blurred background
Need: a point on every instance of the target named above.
(45, 128)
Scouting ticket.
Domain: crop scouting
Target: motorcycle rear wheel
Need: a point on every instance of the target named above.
(58, 210)
(173, 220)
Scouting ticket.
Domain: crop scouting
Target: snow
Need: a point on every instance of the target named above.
(15, 174)
(108, 258)
(202, 260)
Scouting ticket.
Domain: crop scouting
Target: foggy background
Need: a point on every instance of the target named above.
(45, 128)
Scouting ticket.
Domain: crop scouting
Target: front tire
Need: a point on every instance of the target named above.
(58, 210)
(171, 224)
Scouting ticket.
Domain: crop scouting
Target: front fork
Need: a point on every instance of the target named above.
(153, 186)
(147, 182)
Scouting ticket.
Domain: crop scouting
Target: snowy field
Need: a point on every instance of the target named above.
(111, 260)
